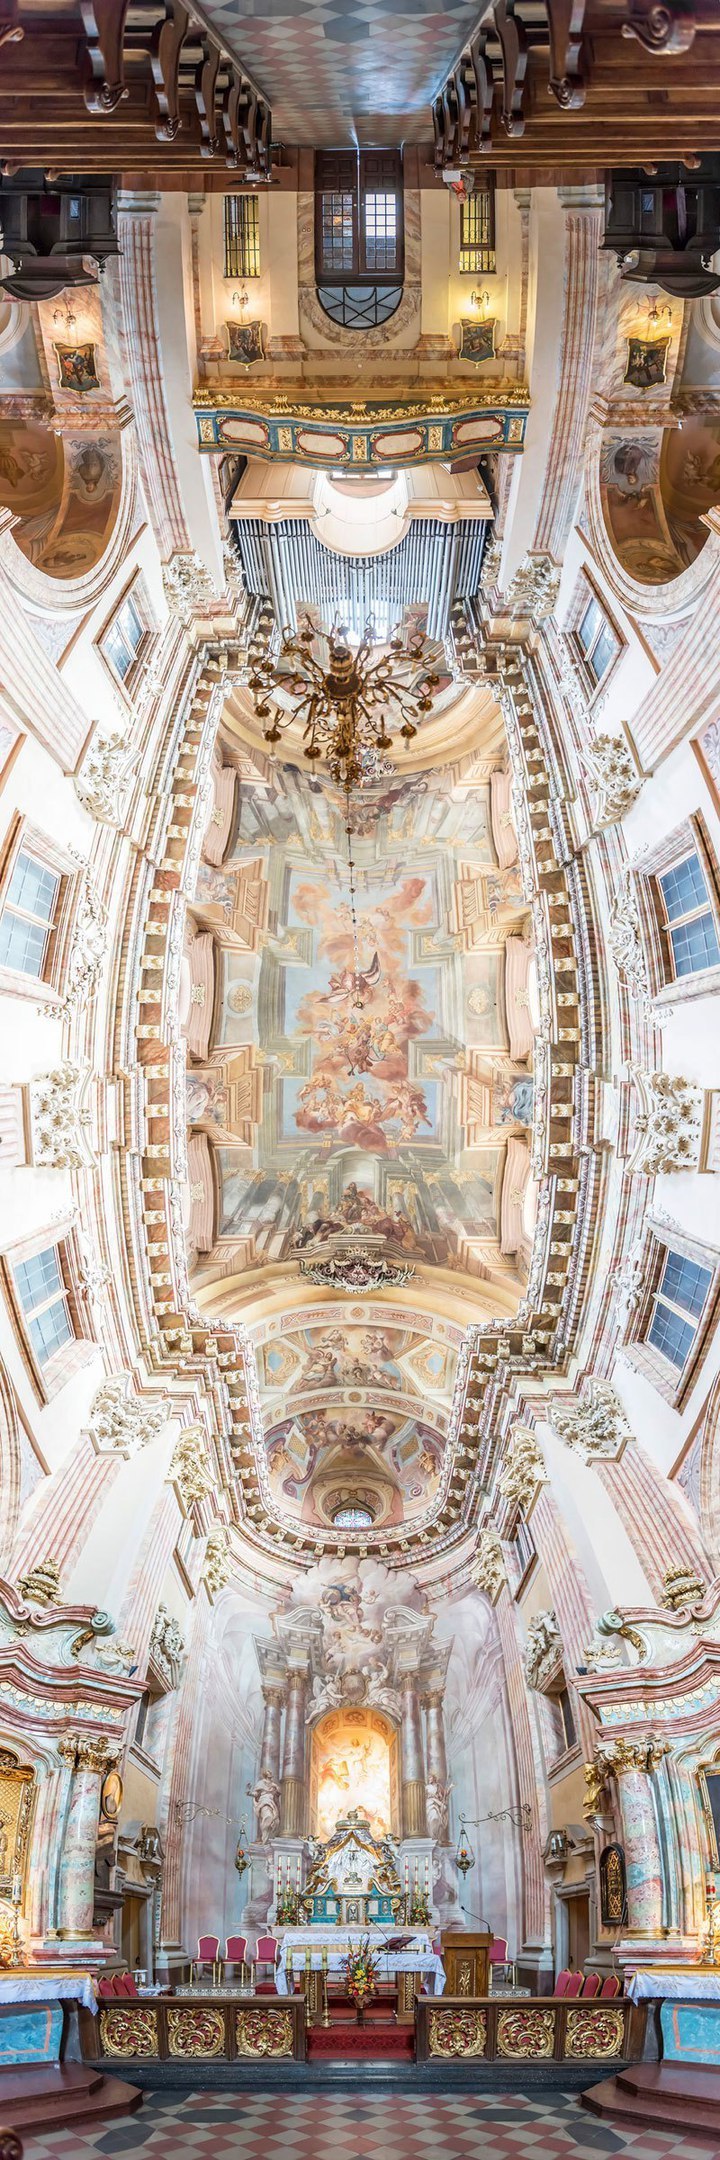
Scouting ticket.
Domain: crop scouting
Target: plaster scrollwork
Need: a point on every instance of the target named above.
(523, 1469)
(190, 1468)
(104, 777)
(595, 1426)
(489, 1570)
(542, 1662)
(217, 1565)
(88, 946)
(187, 584)
(610, 765)
(60, 1118)
(668, 1123)
(41, 1585)
(121, 1423)
(629, 1282)
(167, 1647)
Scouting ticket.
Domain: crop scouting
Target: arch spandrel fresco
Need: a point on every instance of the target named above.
(326, 1123)
(65, 494)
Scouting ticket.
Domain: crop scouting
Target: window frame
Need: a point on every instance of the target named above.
(246, 242)
(484, 254)
(692, 837)
(584, 593)
(675, 1383)
(355, 172)
(26, 839)
(135, 594)
(49, 1375)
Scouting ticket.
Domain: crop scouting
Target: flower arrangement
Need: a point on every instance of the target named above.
(361, 1969)
(288, 1910)
(419, 1911)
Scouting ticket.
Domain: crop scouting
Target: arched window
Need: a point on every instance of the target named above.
(359, 252)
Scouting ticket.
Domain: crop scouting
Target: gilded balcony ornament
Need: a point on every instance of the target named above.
(682, 1587)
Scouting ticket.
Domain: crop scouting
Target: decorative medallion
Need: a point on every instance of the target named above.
(646, 362)
(196, 2032)
(130, 2030)
(264, 2032)
(457, 2032)
(246, 341)
(594, 2030)
(111, 1795)
(526, 2034)
(477, 339)
(356, 1267)
(76, 368)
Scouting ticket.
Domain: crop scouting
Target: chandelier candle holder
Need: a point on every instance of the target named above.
(350, 702)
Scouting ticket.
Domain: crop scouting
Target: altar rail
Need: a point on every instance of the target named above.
(208, 2029)
(541, 2029)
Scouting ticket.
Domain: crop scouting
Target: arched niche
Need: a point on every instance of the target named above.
(65, 494)
(354, 1764)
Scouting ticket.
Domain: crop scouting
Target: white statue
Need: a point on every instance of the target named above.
(437, 1799)
(266, 1798)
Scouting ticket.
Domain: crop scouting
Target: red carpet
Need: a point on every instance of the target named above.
(380, 2043)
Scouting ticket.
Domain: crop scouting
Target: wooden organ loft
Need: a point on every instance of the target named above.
(147, 88)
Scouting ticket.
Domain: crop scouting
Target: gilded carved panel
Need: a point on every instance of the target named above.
(128, 2029)
(593, 2030)
(197, 2033)
(526, 2034)
(457, 2032)
(264, 2032)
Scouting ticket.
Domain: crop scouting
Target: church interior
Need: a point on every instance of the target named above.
(359, 1111)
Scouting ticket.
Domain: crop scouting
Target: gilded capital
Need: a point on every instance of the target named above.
(89, 1751)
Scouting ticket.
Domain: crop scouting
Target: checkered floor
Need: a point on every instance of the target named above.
(235, 2126)
(341, 71)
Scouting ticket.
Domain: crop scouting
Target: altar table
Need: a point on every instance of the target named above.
(679, 1983)
(17, 1987)
(419, 1957)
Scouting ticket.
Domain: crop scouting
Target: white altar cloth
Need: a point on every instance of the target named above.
(48, 1987)
(418, 1957)
(685, 1985)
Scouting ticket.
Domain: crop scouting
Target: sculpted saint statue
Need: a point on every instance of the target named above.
(266, 1797)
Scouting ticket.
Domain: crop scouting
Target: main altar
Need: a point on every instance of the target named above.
(353, 1893)
(353, 1880)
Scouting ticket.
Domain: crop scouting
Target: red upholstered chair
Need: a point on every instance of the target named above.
(497, 1958)
(591, 1985)
(574, 1986)
(106, 1988)
(610, 1986)
(125, 1984)
(562, 1983)
(236, 1953)
(264, 1962)
(208, 1953)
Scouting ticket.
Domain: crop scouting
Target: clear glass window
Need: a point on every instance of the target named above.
(677, 1306)
(597, 640)
(689, 920)
(43, 1297)
(27, 917)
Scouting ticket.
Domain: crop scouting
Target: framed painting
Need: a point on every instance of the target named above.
(245, 341)
(477, 340)
(646, 362)
(77, 368)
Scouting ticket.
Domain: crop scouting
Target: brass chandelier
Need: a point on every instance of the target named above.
(349, 706)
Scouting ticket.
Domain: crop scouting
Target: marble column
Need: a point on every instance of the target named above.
(294, 1796)
(273, 1698)
(436, 1749)
(88, 1759)
(412, 1764)
(633, 1763)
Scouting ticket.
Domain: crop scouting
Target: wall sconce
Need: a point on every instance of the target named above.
(480, 301)
(657, 317)
(64, 318)
(241, 300)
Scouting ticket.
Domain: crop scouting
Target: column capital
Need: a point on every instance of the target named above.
(89, 1751)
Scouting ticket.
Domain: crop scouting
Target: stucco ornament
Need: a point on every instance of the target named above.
(523, 1469)
(542, 1661)
(122, 1422)
(668, 1124)
(104, 777)
(190, 1467)
(88, 946)
(60, 1118)
(187, 585)
(534, 589)
(41, 1585)
(609, 764)
(626, 945)
(682, 1588)
(167, 1647)
(217, 1565)
(489, 1569)
(595, 1427)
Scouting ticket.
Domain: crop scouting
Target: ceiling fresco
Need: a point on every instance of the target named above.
(387, 1125)
(346, 71)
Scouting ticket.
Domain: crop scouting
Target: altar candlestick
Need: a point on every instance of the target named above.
(297, 1871)
(407, 1874)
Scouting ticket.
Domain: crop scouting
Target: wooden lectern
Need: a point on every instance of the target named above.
(466, 1962)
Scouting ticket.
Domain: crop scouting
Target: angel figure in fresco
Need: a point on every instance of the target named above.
(352, 983)
(407, 1103)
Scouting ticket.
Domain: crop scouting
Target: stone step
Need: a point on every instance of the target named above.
(692, 2083)
(655, 2107)
(73, 2093)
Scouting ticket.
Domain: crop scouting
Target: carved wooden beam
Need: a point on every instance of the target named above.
(104, 23)
(565, 27)
(166, 47)
(514, 48)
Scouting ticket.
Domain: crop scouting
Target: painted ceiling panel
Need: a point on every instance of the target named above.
(345, 71)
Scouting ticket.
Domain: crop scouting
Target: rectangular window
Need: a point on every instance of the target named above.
(676, 1307)
(123, 640)
(242, 236)
(477, 234)
(28, 914)
(43, 1298)
(597, 640)
(566, 1714)
(689, 922)
(358, 216)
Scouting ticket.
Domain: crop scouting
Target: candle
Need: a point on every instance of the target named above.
(17, 1889)
(297, 1872)
(407, 1874)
